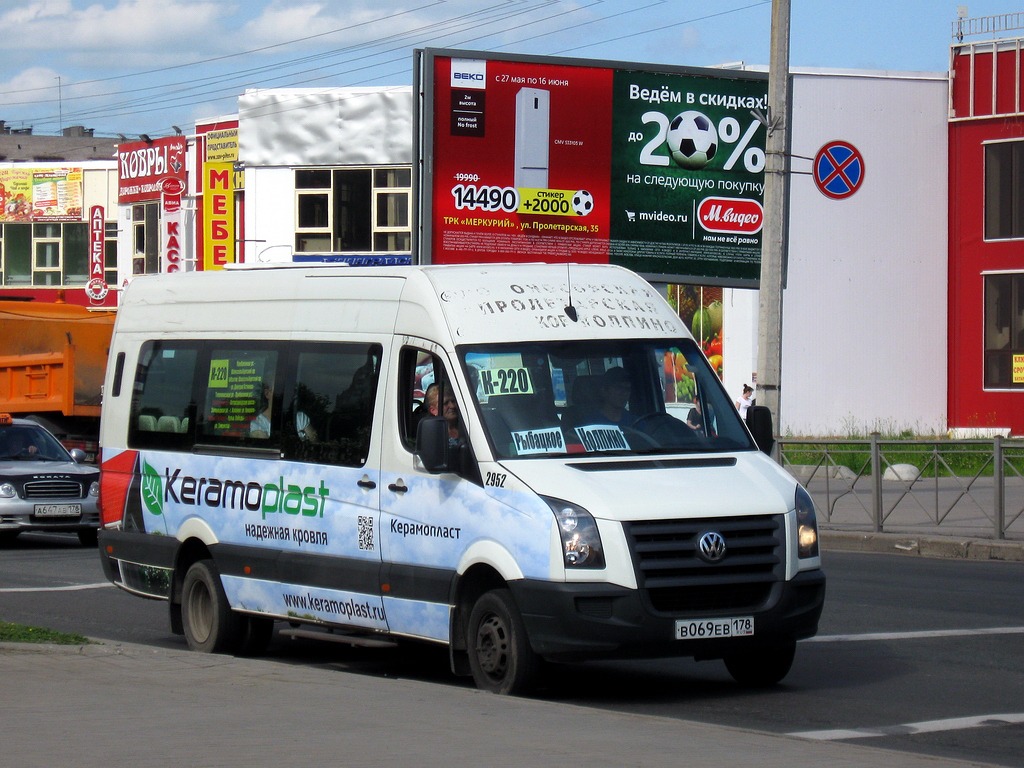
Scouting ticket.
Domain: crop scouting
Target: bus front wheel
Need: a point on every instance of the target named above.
(763, 668)
(500, 656)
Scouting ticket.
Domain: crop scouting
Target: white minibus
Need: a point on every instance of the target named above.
(519, 462)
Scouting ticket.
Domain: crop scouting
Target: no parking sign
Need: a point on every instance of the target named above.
(838, 170)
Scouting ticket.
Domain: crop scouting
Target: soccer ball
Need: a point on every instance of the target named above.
(692, 140)
(582, 202)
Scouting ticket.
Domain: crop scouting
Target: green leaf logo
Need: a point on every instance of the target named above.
(152, 490)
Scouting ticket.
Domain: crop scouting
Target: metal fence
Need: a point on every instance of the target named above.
(954, 487)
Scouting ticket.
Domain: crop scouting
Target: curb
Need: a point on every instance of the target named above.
(96, 647)
(948, 547)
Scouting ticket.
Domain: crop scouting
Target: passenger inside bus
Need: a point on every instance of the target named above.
(259, 427)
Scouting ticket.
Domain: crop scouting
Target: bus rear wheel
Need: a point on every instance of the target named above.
(209, 623)
(500, 656)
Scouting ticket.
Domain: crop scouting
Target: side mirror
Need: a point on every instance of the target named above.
(78, 455)
(759, 422)
(432, 444)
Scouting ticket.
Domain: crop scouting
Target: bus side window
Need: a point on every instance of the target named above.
(161, 398)
(330, 414)
(241, 400)
(418, 370)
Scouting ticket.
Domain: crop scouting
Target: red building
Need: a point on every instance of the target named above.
(986, 225)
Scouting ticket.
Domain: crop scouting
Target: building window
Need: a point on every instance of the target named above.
(391, 188)
(75, 262)
(50, 254)
(1004, 190)
(353, 210)
(145, 240)
(17, 255)
(1004, 331)
(46, 247)
(110, 253)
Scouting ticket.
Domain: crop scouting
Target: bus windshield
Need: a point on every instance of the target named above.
(621, 397)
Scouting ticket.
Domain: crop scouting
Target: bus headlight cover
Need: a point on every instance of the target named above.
(806, 524)
(581, 541)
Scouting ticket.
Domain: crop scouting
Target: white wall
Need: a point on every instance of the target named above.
(739, 339)
(269, 214)
(325, 126)
(864, 319)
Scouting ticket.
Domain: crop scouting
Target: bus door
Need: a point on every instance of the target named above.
(421, 514)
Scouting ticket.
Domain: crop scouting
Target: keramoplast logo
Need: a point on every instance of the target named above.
(735, 215)
(217, 493)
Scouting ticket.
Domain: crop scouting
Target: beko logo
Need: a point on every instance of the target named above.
(469, 73)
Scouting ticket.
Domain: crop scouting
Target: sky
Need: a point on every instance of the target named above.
(143, 66)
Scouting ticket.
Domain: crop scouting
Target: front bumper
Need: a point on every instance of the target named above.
(20, 518)
(567, 621)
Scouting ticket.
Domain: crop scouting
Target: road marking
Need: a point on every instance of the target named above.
(72, 588)
(910, 729)
(874, 636)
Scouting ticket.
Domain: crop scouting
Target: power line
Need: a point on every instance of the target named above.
(226, 56)
(492, 14)
(663, 27)
(340, 63)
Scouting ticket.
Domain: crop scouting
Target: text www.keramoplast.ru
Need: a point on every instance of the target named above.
(346, 609)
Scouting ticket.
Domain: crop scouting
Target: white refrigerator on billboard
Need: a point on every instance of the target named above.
(533, 128)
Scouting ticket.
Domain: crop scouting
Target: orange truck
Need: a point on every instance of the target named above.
(53, 357)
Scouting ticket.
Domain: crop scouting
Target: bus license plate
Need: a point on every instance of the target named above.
(702, 629)
(57, 510)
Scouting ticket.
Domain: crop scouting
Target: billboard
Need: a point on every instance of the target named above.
(142, 167)
(660, 170)
(40, 194)
(218, 215)
(219, 182)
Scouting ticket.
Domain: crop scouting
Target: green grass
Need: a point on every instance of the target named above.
(19, 633)
(933, 457)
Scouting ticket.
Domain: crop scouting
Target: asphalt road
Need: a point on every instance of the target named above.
(916, 655)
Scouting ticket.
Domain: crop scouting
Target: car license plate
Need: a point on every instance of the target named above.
(57, 510)
(701, 629)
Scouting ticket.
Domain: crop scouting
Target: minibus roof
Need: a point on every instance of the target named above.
(477, 303)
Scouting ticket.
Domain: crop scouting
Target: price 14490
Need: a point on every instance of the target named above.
(485, 198)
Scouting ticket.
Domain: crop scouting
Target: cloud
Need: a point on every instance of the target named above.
(288, 23)
(26, 13)
(37, 90)
(128, 29)
(29, 79)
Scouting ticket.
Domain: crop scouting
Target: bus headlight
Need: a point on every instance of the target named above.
(581, 541)
(806, 524)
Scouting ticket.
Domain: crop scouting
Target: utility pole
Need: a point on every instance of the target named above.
(769, 318)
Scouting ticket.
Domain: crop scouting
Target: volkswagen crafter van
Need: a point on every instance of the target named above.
(483, 457)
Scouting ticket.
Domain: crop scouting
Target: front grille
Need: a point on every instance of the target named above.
(53, 488)
(676, 579)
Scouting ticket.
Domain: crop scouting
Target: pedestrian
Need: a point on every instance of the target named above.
(745, 401)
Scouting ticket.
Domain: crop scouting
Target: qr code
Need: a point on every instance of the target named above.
(366, 532)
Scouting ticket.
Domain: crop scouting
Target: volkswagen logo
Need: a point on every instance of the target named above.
(712, 546)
